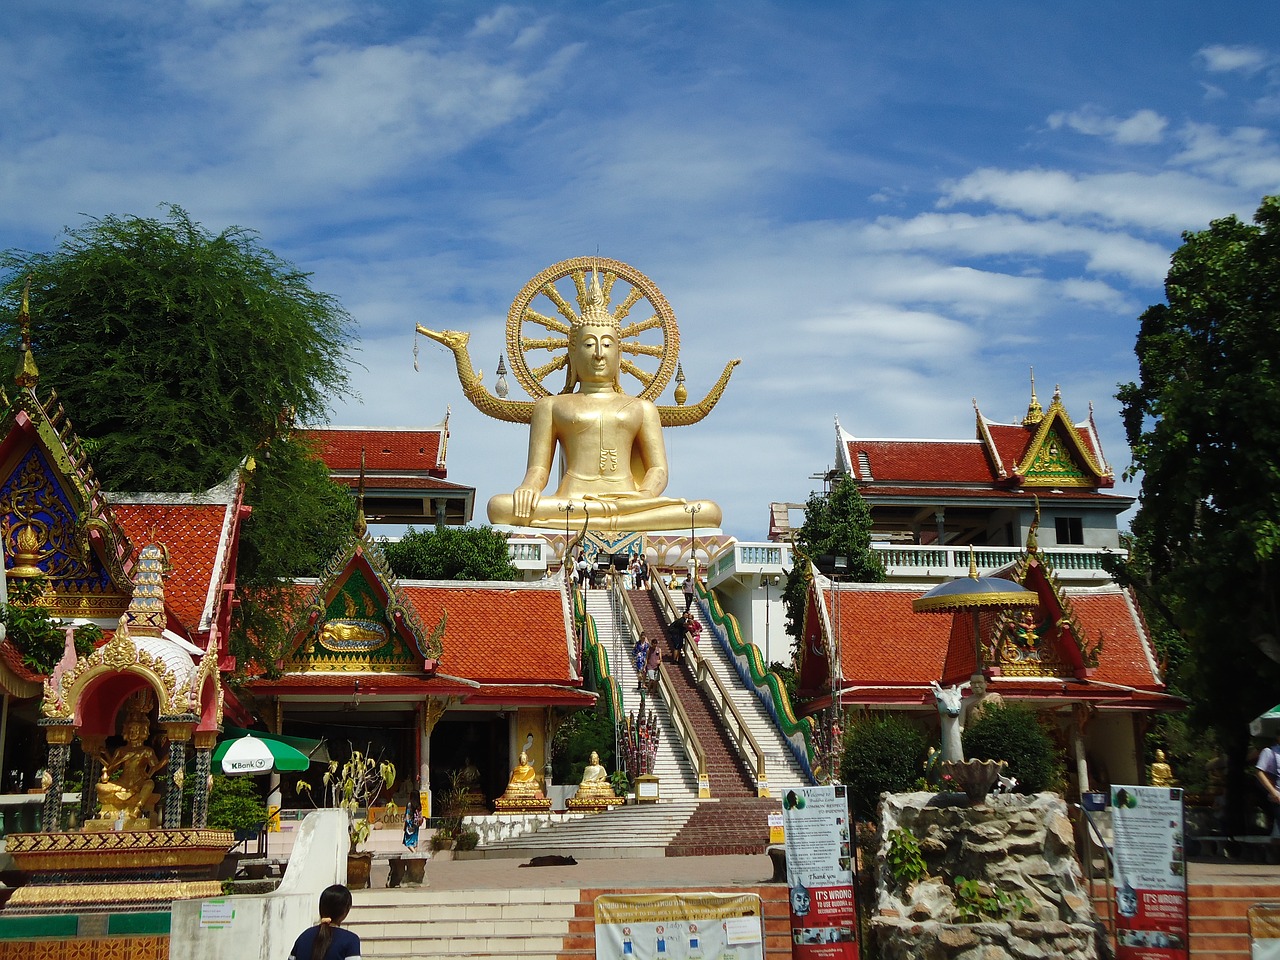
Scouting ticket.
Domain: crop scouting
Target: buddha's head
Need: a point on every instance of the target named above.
(595, 759)
(595, 342)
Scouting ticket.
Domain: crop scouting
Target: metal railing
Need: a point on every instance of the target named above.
(711, 684)
(685, 733)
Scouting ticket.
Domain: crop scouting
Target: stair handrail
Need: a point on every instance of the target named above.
(755, 674)
(696, 756)
(595, 659)
(711, 684)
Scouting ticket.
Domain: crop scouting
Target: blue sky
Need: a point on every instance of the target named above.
(884, 208)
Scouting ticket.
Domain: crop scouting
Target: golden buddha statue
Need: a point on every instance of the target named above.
(523, 791)
(1161, 772)
(132, 795)
(613, 456)
(615, 461)
(595, 792)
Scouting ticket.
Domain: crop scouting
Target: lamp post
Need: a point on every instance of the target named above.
(767, 581)
(693, 509)
(567, 509)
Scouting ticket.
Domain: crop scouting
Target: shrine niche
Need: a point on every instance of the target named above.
(159, 695)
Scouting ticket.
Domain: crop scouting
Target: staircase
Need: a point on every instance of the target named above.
(677, 779)
(623, 832)
(783, 770)
(531, 923)
(724, 767)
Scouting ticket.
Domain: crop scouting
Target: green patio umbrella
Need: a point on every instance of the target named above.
(250, 755)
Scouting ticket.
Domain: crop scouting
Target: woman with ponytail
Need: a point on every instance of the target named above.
(327, 940)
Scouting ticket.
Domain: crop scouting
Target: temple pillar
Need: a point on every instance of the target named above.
(58, 735)
(178, 730)
(204, 741)
(432, 710)
(940, 520)
(1081, 714)
(94, 746)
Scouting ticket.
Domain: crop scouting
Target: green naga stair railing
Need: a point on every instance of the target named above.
(595, 659)
(753, 672)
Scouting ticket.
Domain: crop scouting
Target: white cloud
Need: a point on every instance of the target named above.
(1170, 201)
(1247, 156)
(1142, 127)
(1006, 235)
(1219, 58)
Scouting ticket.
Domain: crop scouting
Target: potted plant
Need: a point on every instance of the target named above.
(355, 787)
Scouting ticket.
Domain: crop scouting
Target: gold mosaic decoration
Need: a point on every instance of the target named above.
(145, 947)
(1057, 456)
(141, 848)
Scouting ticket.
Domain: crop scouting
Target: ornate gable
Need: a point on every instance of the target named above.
(54, 519)
(357, 621)
(1048, 640)
(1057, 456)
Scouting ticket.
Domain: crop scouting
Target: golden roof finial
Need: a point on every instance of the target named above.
(973, 564)
(27, 375)
(1033, 542)
(361, 525)
(682, 392)
(1034, 412)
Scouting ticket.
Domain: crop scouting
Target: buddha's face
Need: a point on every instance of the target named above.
(595, 759)
(596, 354)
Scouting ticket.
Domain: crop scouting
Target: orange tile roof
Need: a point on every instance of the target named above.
(373, 483)
(922, 461)
(392, 450)
(885, 644)
(498, 633)
(193, 534)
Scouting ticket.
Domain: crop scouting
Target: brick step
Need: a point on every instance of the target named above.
(731, 826)
(553, 923)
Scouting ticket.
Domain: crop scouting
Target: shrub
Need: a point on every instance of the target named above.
(883, 752)
(234, 804)
(468, 839)
(1016, 735)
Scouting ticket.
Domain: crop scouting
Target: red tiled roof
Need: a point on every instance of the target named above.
(374, 483)
(192, 534)
(885, 645)
(922, 461)
(397, 451)
(497, 633)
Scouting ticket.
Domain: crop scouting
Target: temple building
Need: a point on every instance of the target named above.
(1028, 501)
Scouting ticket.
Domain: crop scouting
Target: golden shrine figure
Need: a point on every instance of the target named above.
(523, 794)
(1161, 772)
(131, 797)
(595, 792)
(613, 457)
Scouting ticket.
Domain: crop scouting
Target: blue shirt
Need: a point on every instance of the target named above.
(345, 945)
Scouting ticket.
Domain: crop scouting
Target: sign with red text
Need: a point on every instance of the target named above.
(1150, 873)
(819, 844)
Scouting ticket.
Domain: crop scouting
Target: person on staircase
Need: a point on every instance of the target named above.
(651, 668)
(692, 628)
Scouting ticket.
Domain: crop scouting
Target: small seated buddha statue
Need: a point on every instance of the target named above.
(523, 793)
(1161, 772)
(595, 792)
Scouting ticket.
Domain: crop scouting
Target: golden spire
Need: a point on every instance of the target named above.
(1034, 412)
(682, 392)
(361, 526)
(595, 311)
(1033, 542)
(26, 375)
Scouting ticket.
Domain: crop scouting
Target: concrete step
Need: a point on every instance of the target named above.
(531, 923)
(783, 770)
(679, 780)
(630, 831)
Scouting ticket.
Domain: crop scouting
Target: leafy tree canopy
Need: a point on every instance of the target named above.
(836, 524)
(1208, 530)
(175, 349)
(451, 553)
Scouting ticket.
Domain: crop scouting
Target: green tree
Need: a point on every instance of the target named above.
(451, 553)
(280, 542)
(837, 524)
(885, 753)
(39, 639)
(178, 353)
(1207, 532)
